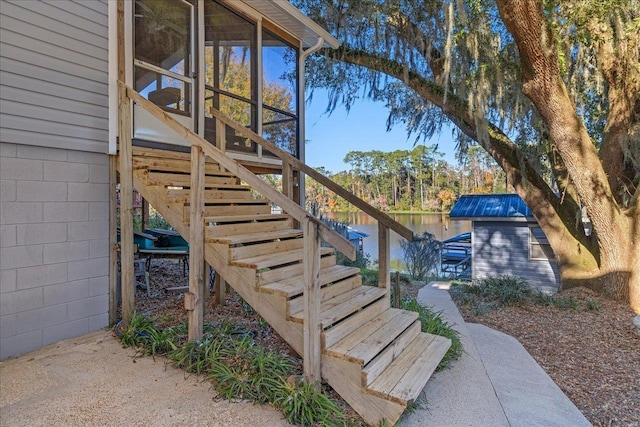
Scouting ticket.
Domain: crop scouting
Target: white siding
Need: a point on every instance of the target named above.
(502, 248)
(54, 74)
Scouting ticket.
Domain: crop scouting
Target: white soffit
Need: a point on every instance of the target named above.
(287, 16)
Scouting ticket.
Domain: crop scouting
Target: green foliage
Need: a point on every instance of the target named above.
(362, 260)
(369, 276)
(593, 305)
(493, 293)
(144, 334)
(433, 323)
(236, 366)
(302, 404)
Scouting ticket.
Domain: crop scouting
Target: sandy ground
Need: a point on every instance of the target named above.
(65, 384)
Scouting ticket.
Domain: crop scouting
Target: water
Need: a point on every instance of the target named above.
(440, 225)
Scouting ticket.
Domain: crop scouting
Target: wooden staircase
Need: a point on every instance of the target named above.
(374, 356)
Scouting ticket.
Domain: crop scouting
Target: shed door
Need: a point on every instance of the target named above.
(163, 65)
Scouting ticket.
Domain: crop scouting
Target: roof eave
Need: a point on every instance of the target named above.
(312, 31)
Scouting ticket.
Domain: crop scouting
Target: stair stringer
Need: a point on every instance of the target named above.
(272, 308)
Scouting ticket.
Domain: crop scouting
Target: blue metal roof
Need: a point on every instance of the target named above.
(460, 238)
(355, 234)
(490, 206)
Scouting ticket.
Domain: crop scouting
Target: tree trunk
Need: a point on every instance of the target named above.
(543, 84)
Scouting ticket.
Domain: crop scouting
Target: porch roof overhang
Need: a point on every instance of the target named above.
(287, 16)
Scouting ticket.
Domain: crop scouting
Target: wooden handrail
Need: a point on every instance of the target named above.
(365, 207)
(231, 165)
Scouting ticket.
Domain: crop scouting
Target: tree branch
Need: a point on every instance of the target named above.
(529, 185)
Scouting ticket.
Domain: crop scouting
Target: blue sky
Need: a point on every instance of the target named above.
(363, 128)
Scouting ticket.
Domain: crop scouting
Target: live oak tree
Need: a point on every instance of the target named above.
(550, 89)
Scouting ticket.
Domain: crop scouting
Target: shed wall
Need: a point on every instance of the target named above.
(502, 248)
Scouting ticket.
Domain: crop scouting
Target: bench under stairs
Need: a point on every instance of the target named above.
(374, 356)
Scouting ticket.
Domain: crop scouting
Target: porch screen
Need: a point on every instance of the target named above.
(230, 41)
(162, 46)
(279, 93)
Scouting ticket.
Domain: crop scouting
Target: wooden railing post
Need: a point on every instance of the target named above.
(221, 137)
(126, 207)
(194, 299)
(384, 252)
(287, 179)
(312, 300)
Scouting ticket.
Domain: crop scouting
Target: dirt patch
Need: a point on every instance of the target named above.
(593, 355)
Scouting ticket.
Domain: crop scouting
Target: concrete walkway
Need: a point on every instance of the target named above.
(91, 381)
(494, 383)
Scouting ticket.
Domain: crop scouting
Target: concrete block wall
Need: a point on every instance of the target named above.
(54, 247)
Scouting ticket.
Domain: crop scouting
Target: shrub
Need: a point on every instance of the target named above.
(302, 404)
(421, 256)
(492, 293)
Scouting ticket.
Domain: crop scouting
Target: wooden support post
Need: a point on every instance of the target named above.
(312, 301)
(221, 137)
(287, 179)
(145, 214)
(220, 289)
(113, 241)
(126, 208)
(384, 253)
(194, 299)
(207, 274)
(397, 295)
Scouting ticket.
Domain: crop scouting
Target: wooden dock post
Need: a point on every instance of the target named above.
(194, 299)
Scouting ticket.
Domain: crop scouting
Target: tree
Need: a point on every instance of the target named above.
(550, 89)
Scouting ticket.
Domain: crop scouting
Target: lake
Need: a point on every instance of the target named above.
(440, 225)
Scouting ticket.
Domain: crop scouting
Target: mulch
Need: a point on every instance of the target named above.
(593, 355)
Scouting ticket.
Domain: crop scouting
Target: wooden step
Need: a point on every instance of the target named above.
(338, 332)
(295, 305)
(341, 306)
(406, 376)
(255, 237)
(292, 286)
(224, 210)
(280, 273)
(379, 363)
(157, 164)
(270, 260)
(247, 251)
(248, 227)
(211, 220)
(363, 344)
(184, 195)
(181, 158)
(184, 180)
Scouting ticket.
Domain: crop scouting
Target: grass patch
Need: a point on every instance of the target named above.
(433, 323)
(486, 295)
(236, 366)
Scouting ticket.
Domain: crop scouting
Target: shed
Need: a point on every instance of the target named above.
(507, 240)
